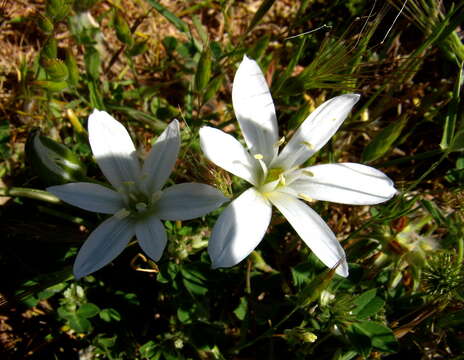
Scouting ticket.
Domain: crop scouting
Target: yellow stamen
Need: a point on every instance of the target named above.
(305, 197)
(280, 142)
(259, 157)
(308, 145)
(309, 173)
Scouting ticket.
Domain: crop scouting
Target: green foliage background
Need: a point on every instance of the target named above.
(147, 62)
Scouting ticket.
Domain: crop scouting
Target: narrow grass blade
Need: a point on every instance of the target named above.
(171, 17)
(263, 9)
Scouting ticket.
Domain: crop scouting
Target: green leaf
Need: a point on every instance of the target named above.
(79, 324)
(88, 310)
(213, 87)
(201, 29)
(194, 281)
(184, 315)
(138, 48)
(203, 73)
(52, 86)
(367, 304)
(381, 337)
(384, 140)
(123, 31)
(73, 70)
(259, 48)
(241, 310)
(109, 314)
(360, 342)
(64, 312)
(92, 62)
(149, 350)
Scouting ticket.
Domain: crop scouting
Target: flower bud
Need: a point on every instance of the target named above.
(52, 162)
(299, 335)
(55, 68)
(49, 49)
(58, 9)
(123, 31)
(138, 48)
(44, 24)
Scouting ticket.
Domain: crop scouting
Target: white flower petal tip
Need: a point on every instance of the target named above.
(151, 237)
(254, 109)
(341, 267)
(239, 229)
(312, 230)
(103, 245)
(162, 158)
(316, 130)
(345, 183)
(113, 149)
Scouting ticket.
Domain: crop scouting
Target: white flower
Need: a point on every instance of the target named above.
(138, 202)
(276, 177)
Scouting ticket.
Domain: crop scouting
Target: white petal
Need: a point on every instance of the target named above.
(316, 130)
(226, 152)
(162, 158)
(255, 110)
(239, 229)
(312, 230)
(88, 196)
(106, 242)
(188, 201)
(345, 183)
(113, 149)
(151, 236)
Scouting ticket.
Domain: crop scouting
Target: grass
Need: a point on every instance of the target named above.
(147, 62)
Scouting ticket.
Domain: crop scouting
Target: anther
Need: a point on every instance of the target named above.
(305, 197)
(308, 173)
(308, 145)
(121, 214)
(280, 142)
(141, 206)
(156, 196)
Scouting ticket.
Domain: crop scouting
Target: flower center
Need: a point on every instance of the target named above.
(273, 174)
(139, 204)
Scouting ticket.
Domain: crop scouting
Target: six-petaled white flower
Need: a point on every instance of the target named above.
(276, 177)
(138, 202)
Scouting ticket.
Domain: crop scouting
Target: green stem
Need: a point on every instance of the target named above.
(425, 174)
(460, 249)
(266, 333)
(30, 193)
